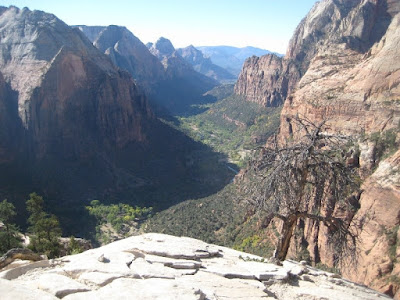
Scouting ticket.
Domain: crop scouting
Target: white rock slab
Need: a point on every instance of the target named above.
(150, 289)
(58, 285)
(157, 270)
(11, 290)
(217, 287)
(98, 279)
(19, 271)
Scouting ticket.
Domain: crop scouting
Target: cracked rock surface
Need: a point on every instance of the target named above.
(158, 266)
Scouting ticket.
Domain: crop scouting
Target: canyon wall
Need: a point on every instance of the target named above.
(343, 67)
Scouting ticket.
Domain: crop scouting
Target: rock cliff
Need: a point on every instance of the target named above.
(127, 52)
(63, 84)
(356, 25)
(74, 127)
(156, 266)
(344, 60)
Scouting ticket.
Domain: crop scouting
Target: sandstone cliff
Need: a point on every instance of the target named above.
(156, 266)
(74, 127)
(356, 25)
(56, 72)
(345, 70)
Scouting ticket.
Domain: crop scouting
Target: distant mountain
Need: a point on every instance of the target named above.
(231, 58)
(205, 66)
(74, 127)
(167, 79)
(184, 86)
(127, 52)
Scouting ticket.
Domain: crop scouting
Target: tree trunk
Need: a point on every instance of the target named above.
(282, 247)
(8, 236)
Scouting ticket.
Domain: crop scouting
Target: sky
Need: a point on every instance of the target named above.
(267, 24)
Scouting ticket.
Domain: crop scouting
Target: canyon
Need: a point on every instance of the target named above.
(79, 120)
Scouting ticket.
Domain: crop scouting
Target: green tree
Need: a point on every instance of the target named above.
(45, 228)
(73, 246)
(9, 237)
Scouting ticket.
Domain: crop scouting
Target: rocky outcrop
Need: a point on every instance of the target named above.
(177, 68)
(261, 80)
(204, 65)
(352, 83)
(162, 48)
(179, 268)
(355, 25)
(58, 75)
(342, 67)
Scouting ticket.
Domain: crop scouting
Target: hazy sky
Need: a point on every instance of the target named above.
(267, 24)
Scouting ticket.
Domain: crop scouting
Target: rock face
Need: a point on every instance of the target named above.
(162, 48)
(74, 126)
(156, 266)
(353, 86)
(261, 80)
(127, 52)
(55, 71)
(344, 69)
(355, 25)
(205, 66)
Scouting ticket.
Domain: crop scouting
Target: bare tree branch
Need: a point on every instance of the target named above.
(306, 179)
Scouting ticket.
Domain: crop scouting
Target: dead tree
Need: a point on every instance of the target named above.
(306, 179)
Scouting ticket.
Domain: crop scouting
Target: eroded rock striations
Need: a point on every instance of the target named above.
(65, 87)
(157, 266)
(344, 69)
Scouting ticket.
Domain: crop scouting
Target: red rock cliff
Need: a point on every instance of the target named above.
(345, 62)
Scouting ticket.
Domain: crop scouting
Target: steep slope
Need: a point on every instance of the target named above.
(231, 58)
(180, 268)
(204, 65)
(75, 127)
(328, 22)
(353, 83)
(127, 52)
(53, 73)
(342, 67)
